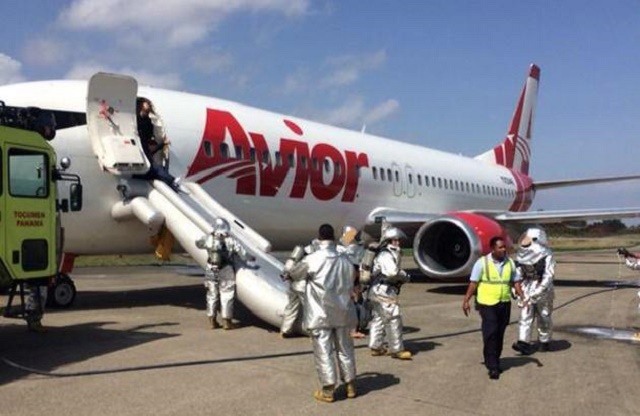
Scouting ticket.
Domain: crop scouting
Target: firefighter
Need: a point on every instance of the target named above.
(329, 277)
(293, 267)
(536, 264)
(224, 252)
(351, 245)
(386, 279)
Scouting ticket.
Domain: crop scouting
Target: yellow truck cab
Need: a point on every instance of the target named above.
(30, 233)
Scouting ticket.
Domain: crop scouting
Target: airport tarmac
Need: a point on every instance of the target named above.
(136, 342)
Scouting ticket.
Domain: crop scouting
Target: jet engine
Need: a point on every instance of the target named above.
(448, 246)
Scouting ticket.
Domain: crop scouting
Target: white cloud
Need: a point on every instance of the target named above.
(10, 70)
(346, 69)
(44, 52)
(181, 22)
(340, 71)
(348, 114)
(353, 113)
(381, 111)
(210, 63)
(86, 70)
(295, 82)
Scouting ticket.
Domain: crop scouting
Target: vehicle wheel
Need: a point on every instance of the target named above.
(62, 293)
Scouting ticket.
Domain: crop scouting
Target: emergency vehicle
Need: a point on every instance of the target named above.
(31, 236)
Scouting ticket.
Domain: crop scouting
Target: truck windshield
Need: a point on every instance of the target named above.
(28, 173)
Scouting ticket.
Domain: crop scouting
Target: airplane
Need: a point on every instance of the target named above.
(276, 178)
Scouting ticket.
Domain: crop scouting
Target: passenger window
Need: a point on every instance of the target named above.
(224, 151)
(266, 157)
(208, 149)
(374, 170)
(397, 176)
(410, 179)
(303, 162)
(291, 160)
(419, 180)
(252, 154)
(389, 175)
(382, 174)
(238, 150)
(278, 158)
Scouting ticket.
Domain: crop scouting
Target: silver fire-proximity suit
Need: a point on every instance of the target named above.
(352, 247)
(387, 277)
(329, 277)
(536, 264)
(296, 293)
(220, 280)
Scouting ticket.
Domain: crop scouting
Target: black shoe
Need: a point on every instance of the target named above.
(494, 374)
(523, 348)
(545, 347)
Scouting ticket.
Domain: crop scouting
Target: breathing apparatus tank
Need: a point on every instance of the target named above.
(296, 255)
(366, 265)
(216, 255)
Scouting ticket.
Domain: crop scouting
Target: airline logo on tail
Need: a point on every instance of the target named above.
(515, 151)
(325, 170)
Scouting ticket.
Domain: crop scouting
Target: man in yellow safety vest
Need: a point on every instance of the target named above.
(492, 276)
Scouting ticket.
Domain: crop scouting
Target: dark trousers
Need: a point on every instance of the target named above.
(495, 319)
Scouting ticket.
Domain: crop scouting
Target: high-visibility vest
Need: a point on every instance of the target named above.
(493, 286)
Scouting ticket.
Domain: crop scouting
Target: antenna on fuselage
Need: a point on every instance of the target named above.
(364, 127)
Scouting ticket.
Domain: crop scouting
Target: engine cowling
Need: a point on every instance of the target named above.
(448, 246)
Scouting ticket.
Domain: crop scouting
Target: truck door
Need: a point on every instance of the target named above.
(28, 215)
(111, 121)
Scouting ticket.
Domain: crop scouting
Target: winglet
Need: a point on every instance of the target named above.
(515, 151)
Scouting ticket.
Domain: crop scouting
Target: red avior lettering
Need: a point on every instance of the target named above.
(301, 177)
(214, 159)
(271, 178)
(320, 190)
(217, 125)
(354, 163)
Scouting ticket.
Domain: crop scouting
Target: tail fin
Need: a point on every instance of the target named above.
(515, 151)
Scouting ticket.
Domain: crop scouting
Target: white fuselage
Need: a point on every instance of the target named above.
(336, 179)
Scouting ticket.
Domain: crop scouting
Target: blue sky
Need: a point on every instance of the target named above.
(440, 73)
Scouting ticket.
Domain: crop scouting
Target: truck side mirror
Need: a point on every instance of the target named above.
(75, 197)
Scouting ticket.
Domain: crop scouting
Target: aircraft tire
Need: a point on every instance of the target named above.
(62, 293)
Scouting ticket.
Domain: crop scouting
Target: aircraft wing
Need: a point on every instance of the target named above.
(399, 217)
(556, 216)
(540, 185)
(408, 219)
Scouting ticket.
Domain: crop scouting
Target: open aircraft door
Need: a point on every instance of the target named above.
(111, 120)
